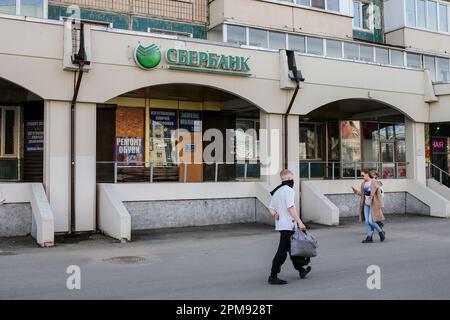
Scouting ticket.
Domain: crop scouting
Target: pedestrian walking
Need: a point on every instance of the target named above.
(374, 174)
(282, 209)
(370, 206)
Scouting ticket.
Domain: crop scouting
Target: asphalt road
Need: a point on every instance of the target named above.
(233, 262)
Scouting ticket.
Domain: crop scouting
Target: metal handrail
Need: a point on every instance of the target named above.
(441, 172)
(151, 165)
(352, 165)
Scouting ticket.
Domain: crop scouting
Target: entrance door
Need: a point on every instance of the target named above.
(106, 132)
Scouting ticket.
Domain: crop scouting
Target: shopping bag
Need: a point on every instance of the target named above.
(303, 244)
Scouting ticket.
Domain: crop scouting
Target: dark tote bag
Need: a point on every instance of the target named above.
(303, 244)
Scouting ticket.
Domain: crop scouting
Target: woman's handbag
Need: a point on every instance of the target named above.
(303, 244)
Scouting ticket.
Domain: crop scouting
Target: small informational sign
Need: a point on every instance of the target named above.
(34, 135)
(191, 121)
(129, 151)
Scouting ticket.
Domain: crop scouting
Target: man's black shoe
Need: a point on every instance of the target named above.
(304, 271)
(382, 236)
(276, 281)
(367, 240)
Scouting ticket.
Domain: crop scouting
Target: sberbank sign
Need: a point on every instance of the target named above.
(194, 61)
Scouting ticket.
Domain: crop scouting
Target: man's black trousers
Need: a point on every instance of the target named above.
(283, 249)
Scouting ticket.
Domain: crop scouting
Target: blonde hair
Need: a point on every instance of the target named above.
(285, 172)
(374, 174)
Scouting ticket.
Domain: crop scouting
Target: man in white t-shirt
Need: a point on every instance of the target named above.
(282, 208)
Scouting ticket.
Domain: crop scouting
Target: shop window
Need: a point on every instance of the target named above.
(350, 148)
(162, 143)
(130, 134)
(311, 141)
(236, 34)
(370, 144)
(258, 38)
(296, 43)
(246, 140)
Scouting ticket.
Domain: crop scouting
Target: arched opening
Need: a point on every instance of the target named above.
(135, 141)
(340, 139)
(21, 134)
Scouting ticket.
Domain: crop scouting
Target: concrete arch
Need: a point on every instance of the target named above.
(120, 80)
(311, 98)
(14, 85)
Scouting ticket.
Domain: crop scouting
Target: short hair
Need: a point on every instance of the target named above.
(374, 174)
(285, 172)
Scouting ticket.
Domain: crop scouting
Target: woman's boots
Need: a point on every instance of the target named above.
(368, 239)
(382, 236)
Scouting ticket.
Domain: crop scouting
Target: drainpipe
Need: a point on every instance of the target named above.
(80, 60)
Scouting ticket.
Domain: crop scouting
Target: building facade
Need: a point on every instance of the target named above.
(111, 113)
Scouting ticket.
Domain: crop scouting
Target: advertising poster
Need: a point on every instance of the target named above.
(34, 135)
(351, 146)
(130, 151)
(191, 121)
(162, 146)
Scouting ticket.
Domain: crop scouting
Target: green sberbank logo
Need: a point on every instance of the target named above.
(147, 57)
(193, 60)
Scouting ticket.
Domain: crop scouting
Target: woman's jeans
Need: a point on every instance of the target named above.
(370, 225)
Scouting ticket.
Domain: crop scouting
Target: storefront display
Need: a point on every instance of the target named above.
(350, 147)
(162, 144)
(130, 151)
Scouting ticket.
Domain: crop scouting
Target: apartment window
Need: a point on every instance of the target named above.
(318, 4)
(443, 18)
(421, 14)
(315, 46)
(429, 63)
(216, 34)
(296, 43)
(258, 38)
(334, 49)
(236, 34)
(413, 60)
(31, 8)
(432, 15)
(8, 6)
(443, 69)
(362, 15)
(333, 5)
(397, 58)
(277, 40)
(382, 55)
(351, 51)
(366, 53)
(410, 13)
(428, 14)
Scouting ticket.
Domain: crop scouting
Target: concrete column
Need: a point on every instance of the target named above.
(271, 151)
(85, 166)
(415, 151)
(293, 154)
(57, 161)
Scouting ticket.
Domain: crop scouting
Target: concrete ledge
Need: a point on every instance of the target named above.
(316, 207)
(113, 218)
(43, 221)
(27, 211)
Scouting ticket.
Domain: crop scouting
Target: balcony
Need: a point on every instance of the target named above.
(290, 15)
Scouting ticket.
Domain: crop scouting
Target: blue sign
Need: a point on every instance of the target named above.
(34, 135)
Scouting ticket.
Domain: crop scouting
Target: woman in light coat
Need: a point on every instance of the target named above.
(370, 206)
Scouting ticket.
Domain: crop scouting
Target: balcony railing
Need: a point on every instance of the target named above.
(190, 11)
(150, 172)
(334, 170)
